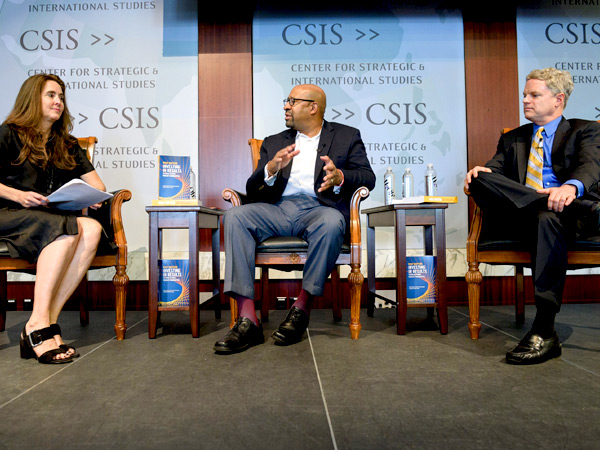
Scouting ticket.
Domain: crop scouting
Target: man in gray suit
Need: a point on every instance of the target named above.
(302, 187)
(541, 186)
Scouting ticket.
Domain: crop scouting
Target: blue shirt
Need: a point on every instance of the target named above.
(548, 176)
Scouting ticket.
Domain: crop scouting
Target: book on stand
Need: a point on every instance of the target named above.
(421, 280)
(424, 199)
(173, 282)
(175, 182)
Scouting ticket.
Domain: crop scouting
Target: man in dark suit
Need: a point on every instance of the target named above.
(542, 185)
(302, 187)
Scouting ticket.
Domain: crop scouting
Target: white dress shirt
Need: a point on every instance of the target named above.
(302, 175)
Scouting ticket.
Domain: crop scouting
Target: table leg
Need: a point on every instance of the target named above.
(194, 238)
(401, 307)
(216, 271)
(428, 241)
(371, 280)
(440, 240)
(153, 255)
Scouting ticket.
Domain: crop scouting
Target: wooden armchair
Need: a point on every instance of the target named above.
(285, 253)
(112, 252)
(484, 246)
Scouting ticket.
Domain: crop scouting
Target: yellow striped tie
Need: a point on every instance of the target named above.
(535, 165)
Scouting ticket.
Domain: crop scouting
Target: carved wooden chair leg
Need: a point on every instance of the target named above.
(234, 312)
(121, 282)
(356, 278)
(474, 278)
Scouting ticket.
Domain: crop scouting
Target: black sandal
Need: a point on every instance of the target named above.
(55, 329)
(35, 338)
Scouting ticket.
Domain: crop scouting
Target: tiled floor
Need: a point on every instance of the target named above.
(421, 390)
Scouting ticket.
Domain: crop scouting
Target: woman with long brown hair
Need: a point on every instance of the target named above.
(37, 156)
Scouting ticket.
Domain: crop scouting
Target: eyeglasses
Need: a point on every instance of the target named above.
(292, 101)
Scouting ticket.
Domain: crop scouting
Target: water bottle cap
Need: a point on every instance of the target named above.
(389, 169)
(430, 165)
(407, 169)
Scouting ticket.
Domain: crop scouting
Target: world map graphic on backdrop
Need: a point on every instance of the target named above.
(131, 72)
(397, 76)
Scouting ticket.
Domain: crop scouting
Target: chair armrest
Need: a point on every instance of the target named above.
(474, 235)
(116, 217)
(355, 232)
(111, 219)
(234, 197)
(474, 232)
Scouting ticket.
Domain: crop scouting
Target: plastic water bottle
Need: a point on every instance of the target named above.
(430, 181)
(389, 186)
(192, 183)
(408, 183)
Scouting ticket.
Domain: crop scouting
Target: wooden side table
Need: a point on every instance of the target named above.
(192, 218)
(427, 215)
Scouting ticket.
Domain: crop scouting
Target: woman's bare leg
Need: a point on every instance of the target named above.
(60, 268)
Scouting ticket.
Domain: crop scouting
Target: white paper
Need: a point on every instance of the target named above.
(76, 194)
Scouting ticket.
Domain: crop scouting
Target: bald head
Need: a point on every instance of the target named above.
(314, 93)
(306, 115)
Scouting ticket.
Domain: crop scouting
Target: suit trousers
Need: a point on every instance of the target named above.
(518, 212)
(303, 216)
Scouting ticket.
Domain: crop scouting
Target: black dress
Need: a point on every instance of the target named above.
(26, 231)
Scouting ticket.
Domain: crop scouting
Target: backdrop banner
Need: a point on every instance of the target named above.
(397, 76)
(566, 36)
(131, 70)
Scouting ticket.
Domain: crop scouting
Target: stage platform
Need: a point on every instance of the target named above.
(383, 391)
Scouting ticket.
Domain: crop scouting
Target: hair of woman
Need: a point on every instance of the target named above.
(26, 117)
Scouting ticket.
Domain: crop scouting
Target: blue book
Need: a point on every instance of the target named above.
(421, 280)
(174, 282)
(174, 177)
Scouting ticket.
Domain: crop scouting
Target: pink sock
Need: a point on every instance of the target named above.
(304, 301)
(246, 308)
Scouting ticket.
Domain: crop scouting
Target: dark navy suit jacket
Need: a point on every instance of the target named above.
(575, 154)
(344, 147)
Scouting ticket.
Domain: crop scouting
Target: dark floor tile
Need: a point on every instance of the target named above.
(421, 390)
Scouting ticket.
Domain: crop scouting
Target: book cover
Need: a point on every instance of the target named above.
(173, 282)
(421, 280)
(174, 178)
(425, 199)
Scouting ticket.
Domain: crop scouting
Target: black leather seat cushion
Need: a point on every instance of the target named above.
(288, 245)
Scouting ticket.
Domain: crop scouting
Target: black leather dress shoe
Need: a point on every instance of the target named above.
(533, 349)
(243, 335)
(292, 328)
